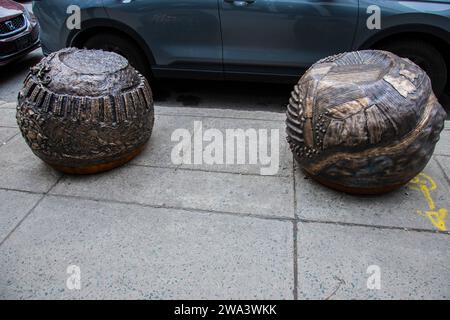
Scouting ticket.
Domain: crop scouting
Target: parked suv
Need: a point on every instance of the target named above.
(19, 31)
(248, 39)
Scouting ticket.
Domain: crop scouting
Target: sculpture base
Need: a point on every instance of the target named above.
(100, 167)
(354, 190)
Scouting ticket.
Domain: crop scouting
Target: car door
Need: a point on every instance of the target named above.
(182, 35)
(284, 36)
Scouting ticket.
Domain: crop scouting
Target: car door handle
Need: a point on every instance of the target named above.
(240, 3)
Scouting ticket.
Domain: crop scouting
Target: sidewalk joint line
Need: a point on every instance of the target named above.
(446, 177)
(9, 139)
(176, 168)
(212, 117)
(350, 224)
(295, 232)
(43, 195)
(250, 215)
(20, 190)
(188, 209)
(22, 220)
(440, 155)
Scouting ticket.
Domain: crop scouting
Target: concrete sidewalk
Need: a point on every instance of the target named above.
(155, 230)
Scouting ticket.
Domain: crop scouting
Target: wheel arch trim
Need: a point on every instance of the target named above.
(119, 27)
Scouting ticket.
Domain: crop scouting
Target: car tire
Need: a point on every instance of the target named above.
(122, 46)
(425, 56)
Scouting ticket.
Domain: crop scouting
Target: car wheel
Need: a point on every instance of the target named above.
(425, 56)
(122, 46)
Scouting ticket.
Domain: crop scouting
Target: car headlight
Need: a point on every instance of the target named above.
(30, 17)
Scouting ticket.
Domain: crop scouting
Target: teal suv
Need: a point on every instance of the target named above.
(270, 40)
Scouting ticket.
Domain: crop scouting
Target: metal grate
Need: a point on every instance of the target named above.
(12, 25)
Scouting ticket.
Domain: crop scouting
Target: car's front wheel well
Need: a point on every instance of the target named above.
(431, 39)
(426, 50)
(82, 37)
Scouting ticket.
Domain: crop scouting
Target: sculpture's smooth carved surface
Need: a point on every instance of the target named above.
(85, 111)
(363, 122)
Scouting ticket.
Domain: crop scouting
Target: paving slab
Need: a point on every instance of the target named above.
(8, 117)
(134, 252)
(333, 263)
(13, 207)
(6, 134)
(443, 145)
(158, 152)
(227, 192)
(445, 165)
(403, 208)
(22, 170)
(8, 105)
(210, 111)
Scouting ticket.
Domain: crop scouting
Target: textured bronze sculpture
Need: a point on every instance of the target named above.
(363, 122)
(85, 111)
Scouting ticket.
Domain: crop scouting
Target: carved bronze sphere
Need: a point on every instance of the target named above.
(85, 111)
(363, 122)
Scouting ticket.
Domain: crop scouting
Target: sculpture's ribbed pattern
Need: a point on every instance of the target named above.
(103, 126)
(363, 122)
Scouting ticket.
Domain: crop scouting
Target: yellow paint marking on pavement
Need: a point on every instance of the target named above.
(437, 218)
(425, 184)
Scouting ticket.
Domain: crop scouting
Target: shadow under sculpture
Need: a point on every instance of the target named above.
(363, 122)
(85, 111)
